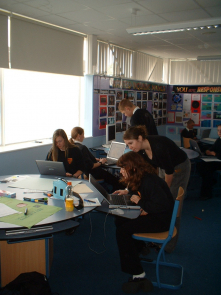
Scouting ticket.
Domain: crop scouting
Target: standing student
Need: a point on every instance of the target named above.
(92, 165)
(63, 151)
(152, 194)
(138, 116)
(207, 169)
(162, 152)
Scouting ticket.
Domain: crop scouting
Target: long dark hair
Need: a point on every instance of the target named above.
(136, 167)
(60, 132)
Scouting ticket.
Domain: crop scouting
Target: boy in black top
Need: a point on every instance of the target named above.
(207, 169)
(138, 116)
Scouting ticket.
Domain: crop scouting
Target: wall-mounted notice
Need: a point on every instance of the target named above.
(171, 117)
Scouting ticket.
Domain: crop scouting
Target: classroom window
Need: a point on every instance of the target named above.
(36, 104)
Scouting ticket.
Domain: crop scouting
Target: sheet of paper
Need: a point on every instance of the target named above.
(37, 183)
(210, 160)
(91, 202)
(5, 210)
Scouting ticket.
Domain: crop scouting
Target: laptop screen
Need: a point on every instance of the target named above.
(116, 150)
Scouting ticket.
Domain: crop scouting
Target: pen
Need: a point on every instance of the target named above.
(90, 201)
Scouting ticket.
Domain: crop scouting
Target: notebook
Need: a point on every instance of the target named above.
(115, 152)
(194, 146)
(51, 168)
(114, 201)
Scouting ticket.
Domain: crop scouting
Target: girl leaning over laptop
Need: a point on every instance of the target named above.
(153, 195)
(93, 165)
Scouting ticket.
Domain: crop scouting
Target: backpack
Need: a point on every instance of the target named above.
(30, 283)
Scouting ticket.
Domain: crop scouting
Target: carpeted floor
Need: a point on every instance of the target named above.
(78, 270)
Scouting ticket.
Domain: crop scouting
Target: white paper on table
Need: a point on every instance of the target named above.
(210, 160)
(5, 210)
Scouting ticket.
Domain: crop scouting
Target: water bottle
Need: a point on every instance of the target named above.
(68, 189)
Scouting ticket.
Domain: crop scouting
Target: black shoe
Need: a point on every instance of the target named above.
(137, 284)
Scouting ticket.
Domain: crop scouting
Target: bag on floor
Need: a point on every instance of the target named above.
(30, 283)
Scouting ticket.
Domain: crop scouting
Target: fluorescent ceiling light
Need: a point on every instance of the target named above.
(210, 23)
(207, 58)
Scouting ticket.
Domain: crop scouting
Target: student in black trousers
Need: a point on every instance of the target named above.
(153, 195)
(161, 152)
(207, 169)
(92, 165)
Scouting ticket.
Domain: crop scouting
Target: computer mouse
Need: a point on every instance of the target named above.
(117, 211)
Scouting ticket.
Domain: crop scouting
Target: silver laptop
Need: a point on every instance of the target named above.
(194, 146)
(115, 152)
(205, 133)
(51, 168)
(114, 201)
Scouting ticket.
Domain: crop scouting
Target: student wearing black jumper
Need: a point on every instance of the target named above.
(207, 169)
(162, 152)
(92, 165)
(138, 116)
(63, 151)
(152, 194)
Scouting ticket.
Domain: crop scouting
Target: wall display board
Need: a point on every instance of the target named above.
(108, 92)
(199, 103)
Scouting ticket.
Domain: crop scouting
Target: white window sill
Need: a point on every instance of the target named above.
(24, 145)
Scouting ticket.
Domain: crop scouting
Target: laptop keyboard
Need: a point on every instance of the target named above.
(118, 200)
(110, 162)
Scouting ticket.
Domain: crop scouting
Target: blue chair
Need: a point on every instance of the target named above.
(162, 239)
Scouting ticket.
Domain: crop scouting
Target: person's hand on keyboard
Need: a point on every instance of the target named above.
(121, 192)
(102, 160)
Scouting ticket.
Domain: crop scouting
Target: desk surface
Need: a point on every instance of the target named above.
(61, 215)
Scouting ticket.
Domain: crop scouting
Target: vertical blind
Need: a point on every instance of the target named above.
(195, 72)
(4, 41)
(148, 68)
(37, 47)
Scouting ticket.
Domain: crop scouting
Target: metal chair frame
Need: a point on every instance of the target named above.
(163, 239)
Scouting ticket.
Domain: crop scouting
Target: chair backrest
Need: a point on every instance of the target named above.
(176, 210)
(186, 142)
(180, 199)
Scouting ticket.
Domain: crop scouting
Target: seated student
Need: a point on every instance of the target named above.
(207, 169)
(188, 132)
(153, 195)
(92, 164)
(138, 116)
(161, 152)
(63, 151)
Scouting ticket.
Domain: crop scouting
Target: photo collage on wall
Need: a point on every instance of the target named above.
(106, 108)
(203, 109)
(159, 108)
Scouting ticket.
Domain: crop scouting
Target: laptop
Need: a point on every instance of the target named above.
(114, 201)
(194, 146)
(51, 168)
(205, 133)
(115, 152)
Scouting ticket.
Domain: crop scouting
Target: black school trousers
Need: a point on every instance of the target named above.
(128, 247)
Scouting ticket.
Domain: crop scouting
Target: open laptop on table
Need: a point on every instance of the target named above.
(205, 133)
(114, 201)
(194, 146)
(115, 152)
(51, 168)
